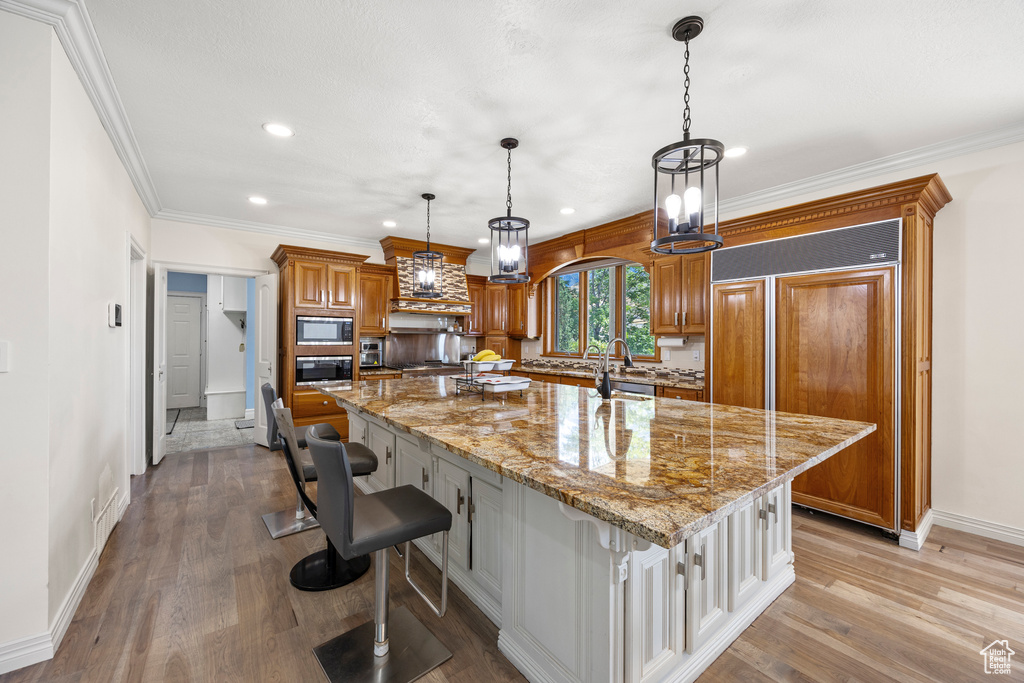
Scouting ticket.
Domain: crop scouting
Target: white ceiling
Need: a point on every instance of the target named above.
(390, 99)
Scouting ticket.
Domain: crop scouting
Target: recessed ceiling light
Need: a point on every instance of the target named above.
(390, 224)
(483, 240)
(568, 210)
(278, 130)
(258, 200)
(735, 151)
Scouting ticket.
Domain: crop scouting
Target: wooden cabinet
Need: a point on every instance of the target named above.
(374, 300)
(476, 322)
(706, 577)
(315, 282)
(496, 322)
(835, 355)
(310, 283)
(374, 378)
(684, 394)
(667, 295)
(486, 521)
(497, 344)
(739, 368)
(517, 304)
(341, 286)
(679, 296)
(413, 466)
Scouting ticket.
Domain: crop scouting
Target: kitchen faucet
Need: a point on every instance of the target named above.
(606, 385)
(592, 345)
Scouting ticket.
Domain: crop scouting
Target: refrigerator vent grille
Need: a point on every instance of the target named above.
(870, 244)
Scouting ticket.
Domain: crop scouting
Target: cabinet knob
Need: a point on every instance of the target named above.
(325, 402)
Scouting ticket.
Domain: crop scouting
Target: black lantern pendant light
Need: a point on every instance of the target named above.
(686, 177)
(428, 267)
(509, 237)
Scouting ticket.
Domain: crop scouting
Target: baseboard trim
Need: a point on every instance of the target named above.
(66, 613)
(979, 527)
(914, 540)
(25, 652)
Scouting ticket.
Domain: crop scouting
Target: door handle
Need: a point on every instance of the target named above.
(698, 561)
(676, 318)
(460, 499)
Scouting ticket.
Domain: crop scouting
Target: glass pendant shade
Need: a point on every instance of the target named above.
(686, 178)
(428, 267)
(510, 242)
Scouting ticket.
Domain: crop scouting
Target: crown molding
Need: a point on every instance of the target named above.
(893, 163)
(266, 228)
(70, 20)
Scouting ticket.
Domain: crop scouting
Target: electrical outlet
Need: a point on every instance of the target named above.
(666, 354)
(696, 354)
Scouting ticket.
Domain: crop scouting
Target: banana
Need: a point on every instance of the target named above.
(483, 354)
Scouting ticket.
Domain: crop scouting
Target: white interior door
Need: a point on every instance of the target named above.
(159, 362)
(265, 352)
(184, 351)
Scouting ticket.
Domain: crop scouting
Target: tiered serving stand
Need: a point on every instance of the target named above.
(482, 377)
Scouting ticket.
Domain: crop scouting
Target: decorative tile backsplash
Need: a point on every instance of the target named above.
(589, 366)
(453, 280)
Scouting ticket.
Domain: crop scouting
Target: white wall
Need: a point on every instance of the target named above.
(24, 292)
(93, 207)
(978, 369)
(225, 369)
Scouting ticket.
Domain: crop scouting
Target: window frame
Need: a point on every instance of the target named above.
(619, 313)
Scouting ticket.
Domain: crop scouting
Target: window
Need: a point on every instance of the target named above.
(614, 301)
(567, 313)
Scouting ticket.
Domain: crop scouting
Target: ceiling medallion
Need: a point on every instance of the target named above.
(509, 237)
(685, 173)
(428, 266)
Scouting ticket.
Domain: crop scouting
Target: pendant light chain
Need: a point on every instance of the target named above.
(686, 89)
(508, 200)
(428, 225)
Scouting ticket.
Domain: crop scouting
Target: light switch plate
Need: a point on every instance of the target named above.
(5, 356)
(666, 354)
(696, 354)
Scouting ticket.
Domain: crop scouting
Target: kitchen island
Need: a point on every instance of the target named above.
(623, 540)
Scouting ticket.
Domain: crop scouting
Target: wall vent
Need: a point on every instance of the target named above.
(105, 521)
(870, 244)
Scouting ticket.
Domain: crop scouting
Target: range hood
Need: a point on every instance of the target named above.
(398, 252)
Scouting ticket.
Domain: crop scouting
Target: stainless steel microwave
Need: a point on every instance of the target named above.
(322, 369)
(320, 331)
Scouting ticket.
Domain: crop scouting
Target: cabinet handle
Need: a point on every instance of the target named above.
(460, 500)
(426, 478)
(471, 509)
(387, 454)
(698, 561)
(325, 402)
(676, 318)
(681, 567)
(684, 318)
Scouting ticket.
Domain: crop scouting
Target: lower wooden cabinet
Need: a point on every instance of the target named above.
(684, 394)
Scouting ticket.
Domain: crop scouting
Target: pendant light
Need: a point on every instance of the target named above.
(509, 237)
(686, 177)
(428, 266)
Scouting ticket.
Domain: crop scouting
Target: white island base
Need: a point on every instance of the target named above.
(577, 599)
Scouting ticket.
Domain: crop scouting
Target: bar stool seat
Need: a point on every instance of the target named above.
(374, 523)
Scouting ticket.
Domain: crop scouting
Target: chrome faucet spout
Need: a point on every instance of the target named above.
(586, 353)
(605, 388)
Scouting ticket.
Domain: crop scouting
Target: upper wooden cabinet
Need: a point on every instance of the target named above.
(375, 286)
(517, 297)
(341, 286)
(476, 321)
(497, 309)
(309, 279)
(679, 297)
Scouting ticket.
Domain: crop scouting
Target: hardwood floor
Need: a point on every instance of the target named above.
(192, 588)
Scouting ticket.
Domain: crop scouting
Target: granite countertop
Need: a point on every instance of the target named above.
(662, 469)
(380, 370)
(660, 378)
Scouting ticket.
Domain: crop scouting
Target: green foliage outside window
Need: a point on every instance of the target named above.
(636, 321)
(600, 302)
(567, 313)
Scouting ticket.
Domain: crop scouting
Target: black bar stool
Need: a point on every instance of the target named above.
(324, 569)
(287, 522)
(374, 523)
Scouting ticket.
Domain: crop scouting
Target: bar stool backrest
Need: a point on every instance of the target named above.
(335, 493)
(269, 396)
(286, 428)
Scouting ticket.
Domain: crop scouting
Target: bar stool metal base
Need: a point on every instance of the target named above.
(317, 572)
(284, 523)
(414, 652)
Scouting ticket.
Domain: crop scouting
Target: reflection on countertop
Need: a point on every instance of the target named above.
(365, 373)
(661, 469)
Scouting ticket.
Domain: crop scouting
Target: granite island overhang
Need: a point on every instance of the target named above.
(624, 540)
